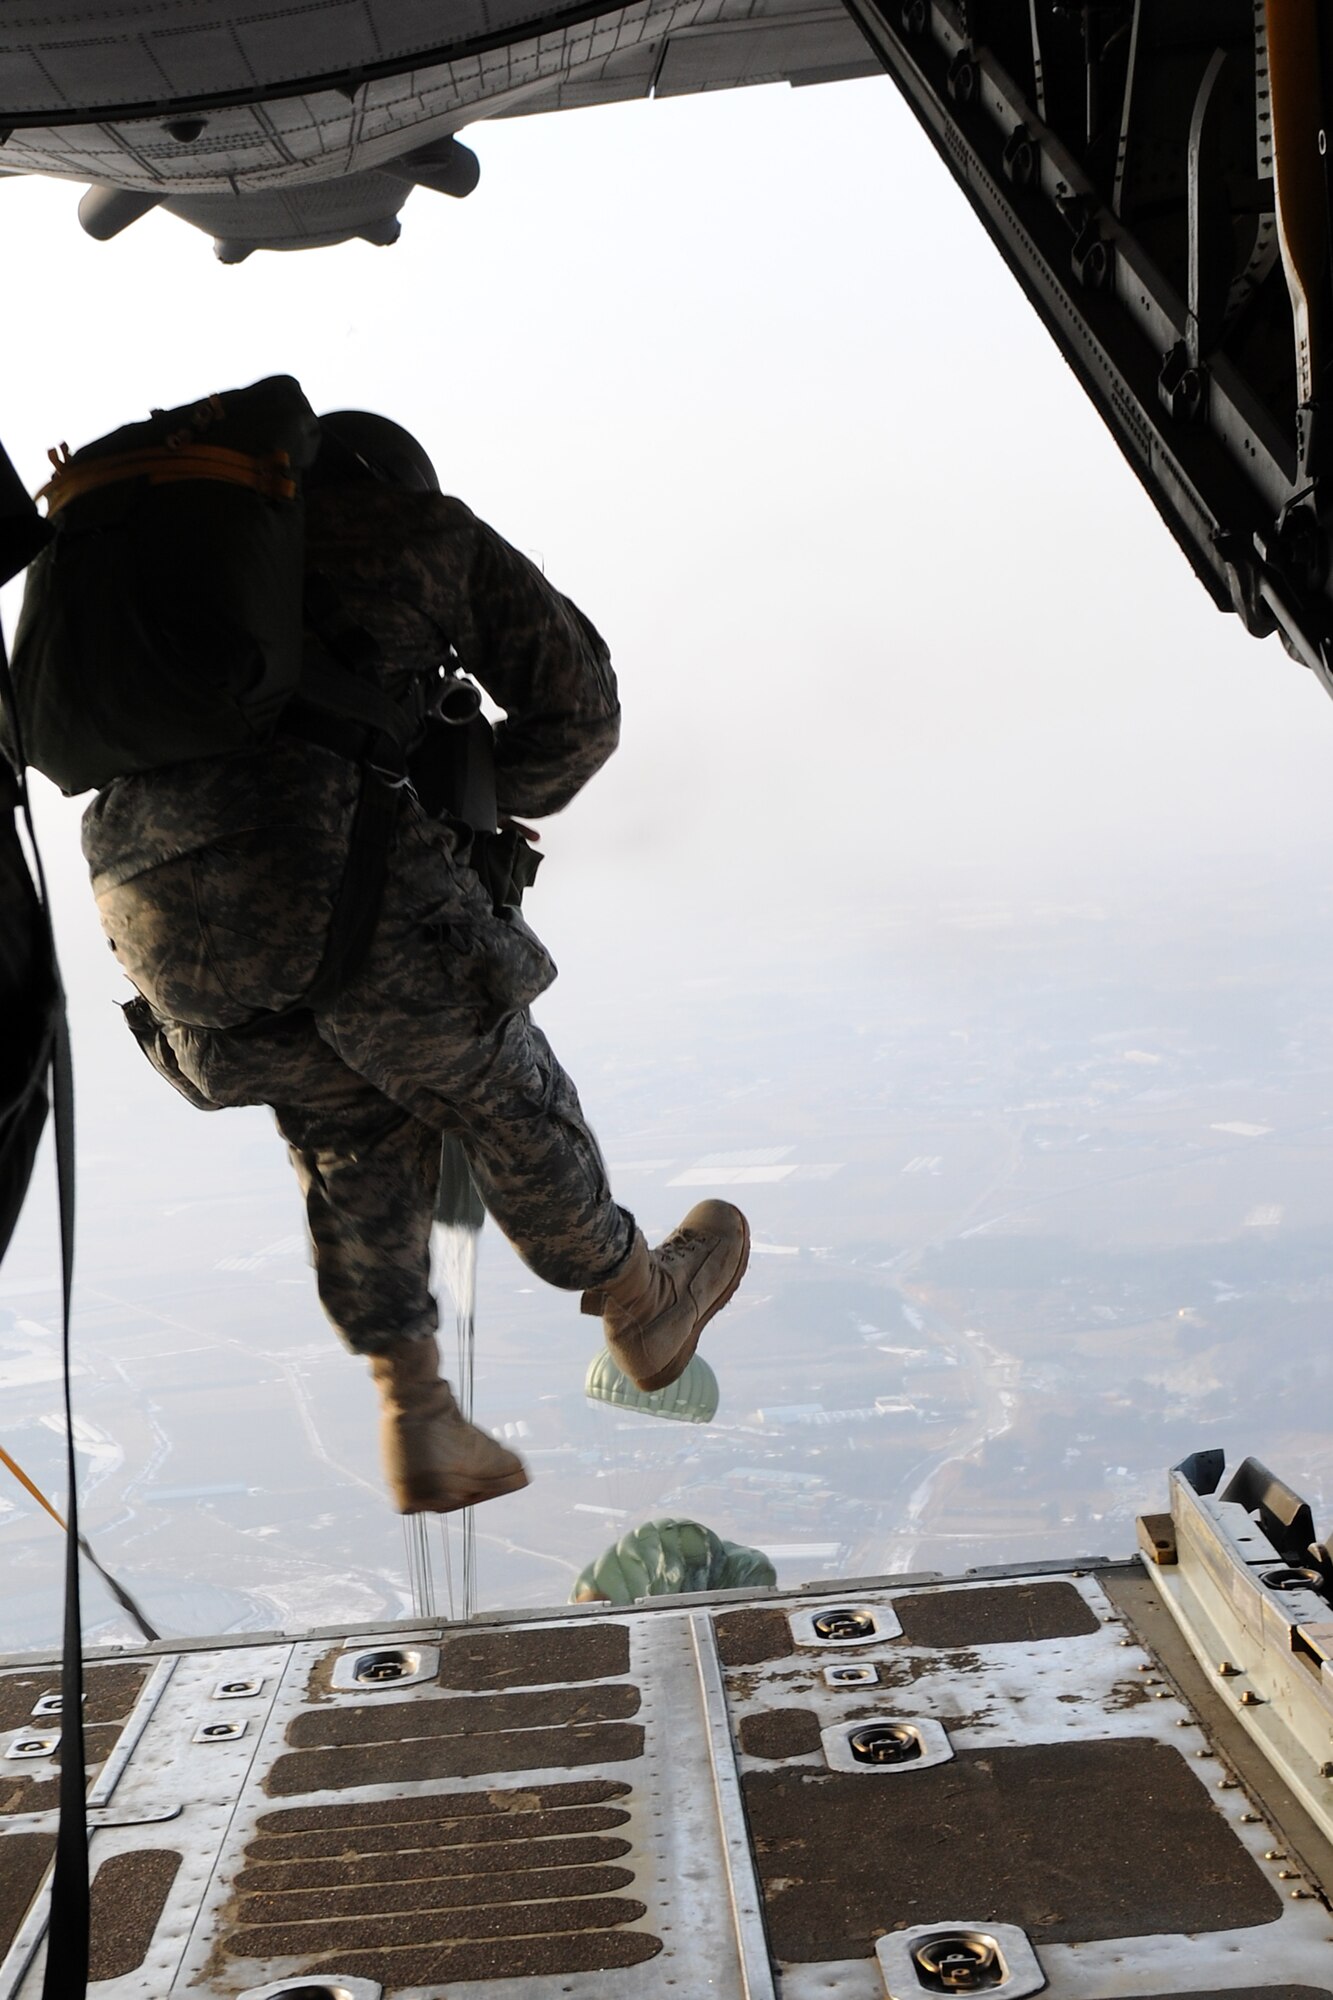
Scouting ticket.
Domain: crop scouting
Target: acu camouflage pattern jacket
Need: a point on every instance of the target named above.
(419, 573)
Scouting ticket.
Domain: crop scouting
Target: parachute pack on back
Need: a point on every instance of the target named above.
(163, 621)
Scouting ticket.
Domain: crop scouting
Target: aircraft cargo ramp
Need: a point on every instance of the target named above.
(1093, 1781)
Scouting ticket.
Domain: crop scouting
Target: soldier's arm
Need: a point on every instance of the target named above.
(541, 661)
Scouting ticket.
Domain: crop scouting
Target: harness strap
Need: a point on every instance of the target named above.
(309, 724)
(331, 687)
(339, 683)
(270, 475)
(356, 912)
(356, 908)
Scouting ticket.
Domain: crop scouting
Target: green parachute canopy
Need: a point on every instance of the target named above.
(693, 1399)
(664, 1558)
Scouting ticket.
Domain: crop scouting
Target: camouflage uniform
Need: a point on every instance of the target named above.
(215, 882)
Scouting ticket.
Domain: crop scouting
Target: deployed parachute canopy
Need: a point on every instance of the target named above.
(692, 1399)
(665, 1558)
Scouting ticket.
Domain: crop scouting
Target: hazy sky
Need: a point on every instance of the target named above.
(893, 620)
(742, 371)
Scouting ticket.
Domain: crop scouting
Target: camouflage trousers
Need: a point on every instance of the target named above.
(432, 1037)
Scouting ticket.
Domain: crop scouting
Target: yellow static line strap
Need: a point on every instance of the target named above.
(127, 1603)
(35, 1491)
(270, 476)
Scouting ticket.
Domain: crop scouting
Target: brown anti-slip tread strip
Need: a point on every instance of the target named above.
(341, 1868)
(23, 1862)
(780, 1732)
(305, 1771)
(399, 1721)
(1010, 1614)
(503, 1802)
(129, 1893)
(502, 1920)
(751, 1638)
(1071, 1841)
(587, 1652)
(448, 1834)
(468, 1892)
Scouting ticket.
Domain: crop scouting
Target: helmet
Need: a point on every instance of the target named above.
(358, 444)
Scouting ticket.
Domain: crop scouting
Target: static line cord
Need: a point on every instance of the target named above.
(35, 1490)
(411, 1572)
(443, 1520)
(467, 1341)
(122, 1596)
(458, 1242)
(420, 1574)
(467, 1371)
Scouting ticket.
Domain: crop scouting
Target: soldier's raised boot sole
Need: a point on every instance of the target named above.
(658, 1303)
(445, 1497)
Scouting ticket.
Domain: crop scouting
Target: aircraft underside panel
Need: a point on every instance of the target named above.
(351, 118)
(110, 58)
(249, 140)
(1012, 1782)
(315, 131)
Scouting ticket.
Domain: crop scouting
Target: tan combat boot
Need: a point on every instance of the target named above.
(434, 1459)
(660, 1301)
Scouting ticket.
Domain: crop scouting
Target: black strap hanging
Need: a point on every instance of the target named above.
(67, 1933)
(68, 1929)
(22, 533)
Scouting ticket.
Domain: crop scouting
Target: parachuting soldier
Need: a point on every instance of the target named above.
(305, 934)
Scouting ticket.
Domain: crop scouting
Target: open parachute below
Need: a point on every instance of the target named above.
(691, 1399)
(667, 1557)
